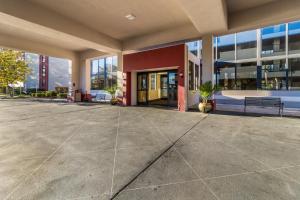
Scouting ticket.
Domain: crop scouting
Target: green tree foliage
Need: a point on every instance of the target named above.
(112, 90)
(13, 68)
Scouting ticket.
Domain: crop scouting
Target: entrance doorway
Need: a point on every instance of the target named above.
(157, 88)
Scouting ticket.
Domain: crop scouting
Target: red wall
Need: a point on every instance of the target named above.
(158, 58)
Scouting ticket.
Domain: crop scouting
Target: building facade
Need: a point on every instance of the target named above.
(265, 59)
(260, 62)
(166, 76)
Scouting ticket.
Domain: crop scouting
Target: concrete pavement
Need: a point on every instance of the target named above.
(90, 151)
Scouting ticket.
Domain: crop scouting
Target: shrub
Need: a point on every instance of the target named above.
(61, 89)
(50, 94)
(40, 94)
(33, 90)
(62, 95)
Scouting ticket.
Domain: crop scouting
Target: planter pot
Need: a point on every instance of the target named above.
(114, 101)
(205, 107)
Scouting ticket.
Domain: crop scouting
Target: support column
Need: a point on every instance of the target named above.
(120, 74)
(207, 58)
(75, 73)
(85, 66)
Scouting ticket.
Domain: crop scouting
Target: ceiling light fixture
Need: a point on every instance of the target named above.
(130, 16)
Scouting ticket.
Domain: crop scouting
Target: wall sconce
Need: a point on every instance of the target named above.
(181, 75)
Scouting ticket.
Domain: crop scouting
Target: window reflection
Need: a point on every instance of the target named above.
(274, 75)
(246, 74)
(294, 38)
(226, 47)
(275, 68)
(246, 44)
(294, 74)
(191, 76)
(273, 40)
(104, 73)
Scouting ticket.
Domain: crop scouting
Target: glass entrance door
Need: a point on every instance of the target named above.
(172, 88)
(142, 88)
(157, 88)
(164, 86)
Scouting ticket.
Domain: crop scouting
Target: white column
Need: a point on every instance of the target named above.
(207, 58)
(75, 73)
(120, 74)
(259, 46)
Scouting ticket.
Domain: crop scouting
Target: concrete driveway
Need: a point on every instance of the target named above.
(60, 151)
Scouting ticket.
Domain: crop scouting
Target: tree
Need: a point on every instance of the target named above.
(13, 68)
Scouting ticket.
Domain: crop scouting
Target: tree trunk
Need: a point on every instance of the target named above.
(13, 91)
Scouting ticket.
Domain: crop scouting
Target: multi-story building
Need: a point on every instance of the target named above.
(264, 59)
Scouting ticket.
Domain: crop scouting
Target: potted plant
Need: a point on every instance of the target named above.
(112, 90)
(206, 91)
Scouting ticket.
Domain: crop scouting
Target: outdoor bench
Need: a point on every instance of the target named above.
(264, 102)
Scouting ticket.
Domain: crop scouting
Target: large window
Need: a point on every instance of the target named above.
(246, 76)
(274, 75)
(294, 38)
(103, 73)
(226, 77)
(246, 45)
(239, 66)
(273, 40)
(195, 47)
(191, 76)
(197, 76)
(294, 74)
(226, 47)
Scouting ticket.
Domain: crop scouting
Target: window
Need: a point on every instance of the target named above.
(238, 65)
(191, 76)
(246, 45)
(226, 47)
(103, 73)
(197, 76)
(273, 40)
(225, 77)
(195, 47)
(274, 75)
(294, 73)
(153, 81)
(294, 37)
(246, 76)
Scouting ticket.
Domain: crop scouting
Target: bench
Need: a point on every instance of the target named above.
(264, 102)
(100, 97)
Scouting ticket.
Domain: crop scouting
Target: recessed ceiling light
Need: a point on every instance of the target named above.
(130, 17)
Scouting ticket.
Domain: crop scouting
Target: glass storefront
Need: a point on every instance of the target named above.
(273, 40)
(104, 73)
(262, 59)
(294, 38)
(246, 76)
(226, 47)
(294, 73)
(246, 44)
(274, 75)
